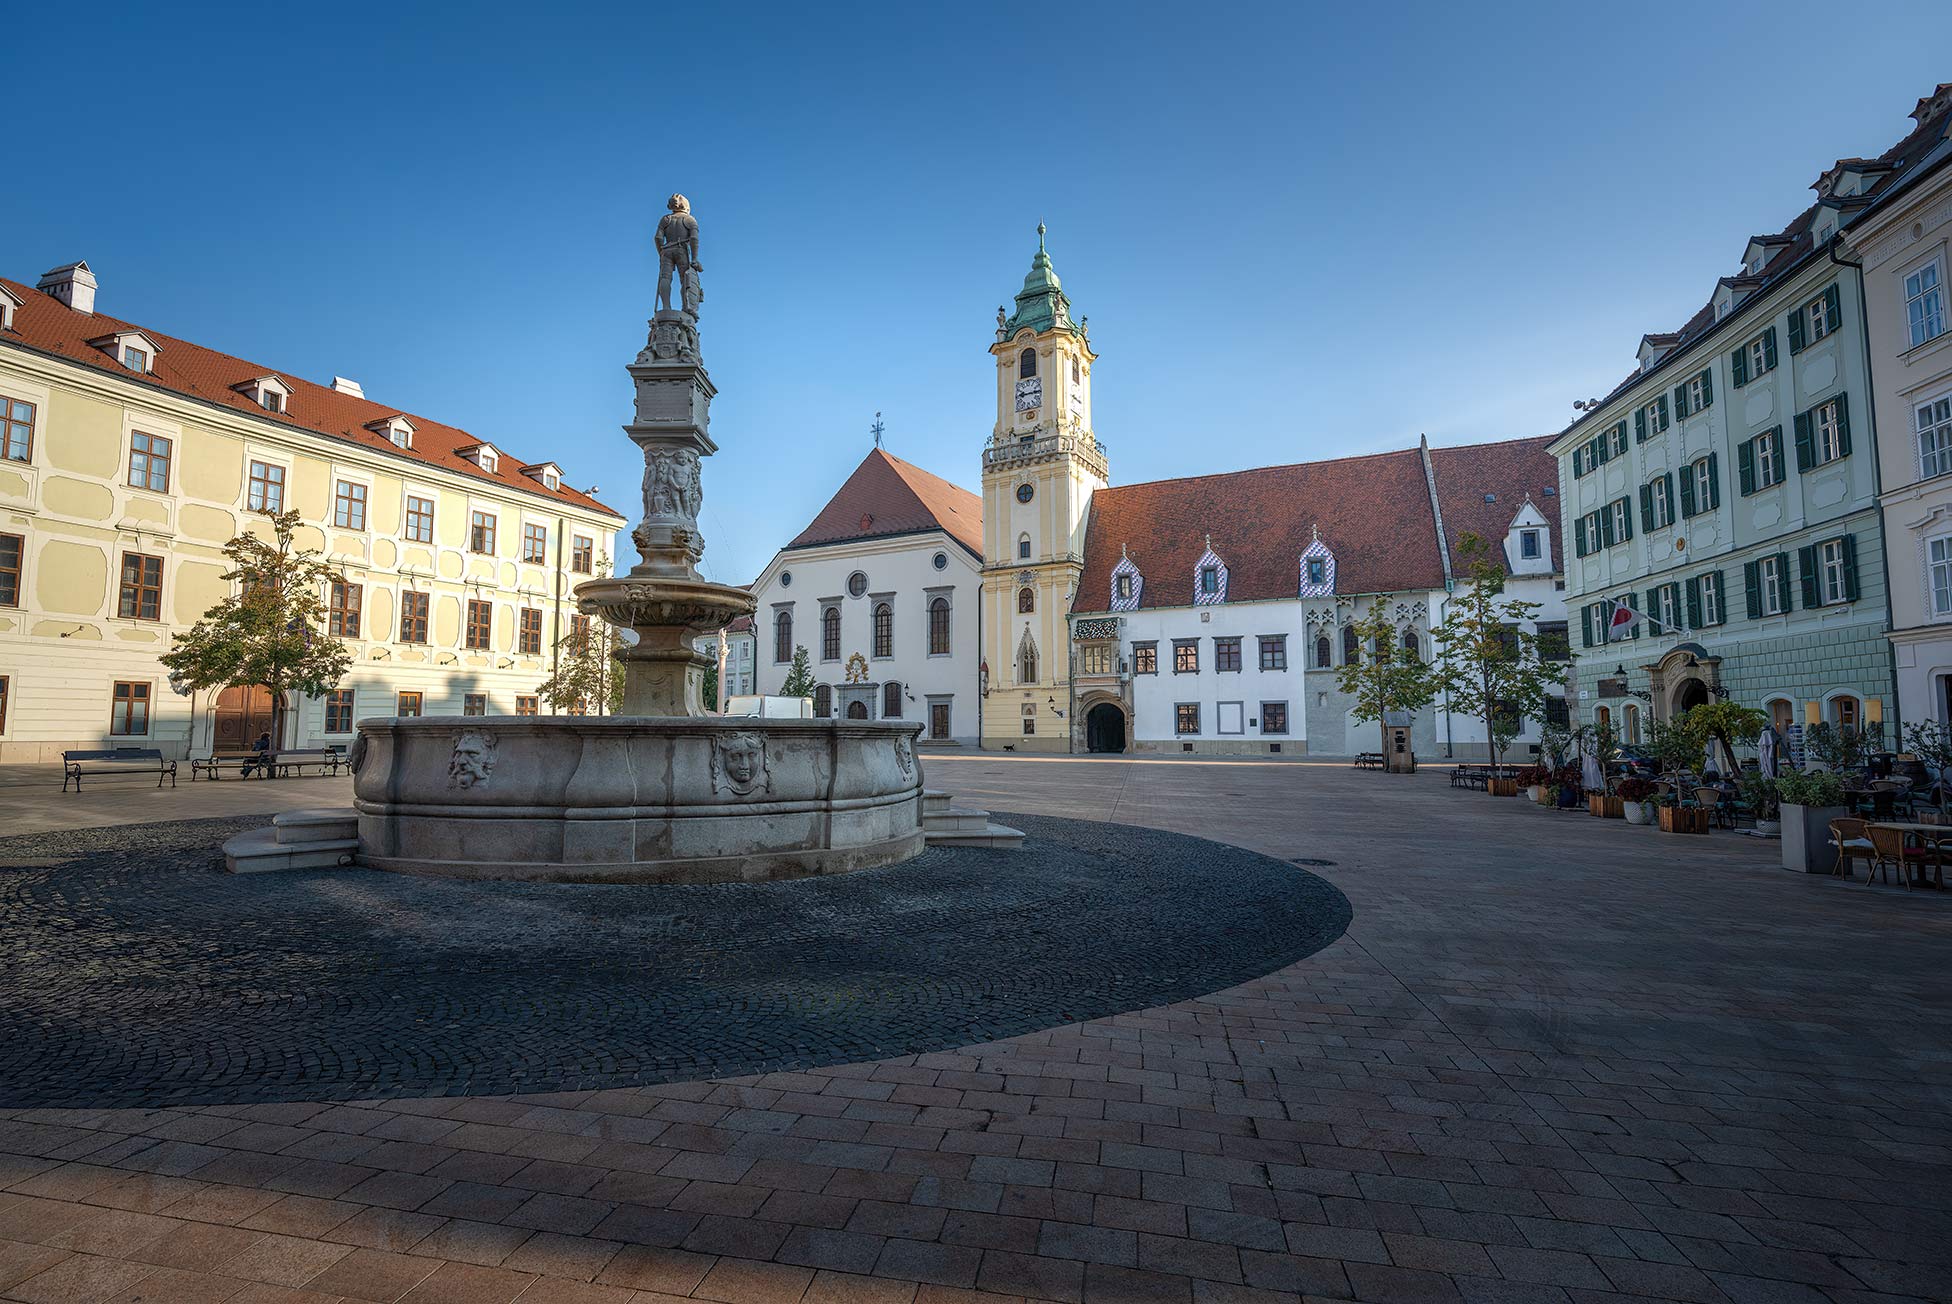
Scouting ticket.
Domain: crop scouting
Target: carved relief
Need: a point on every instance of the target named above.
(671, 484)
(356, 754)
(739, 764)
(905, 755)
(473, 759)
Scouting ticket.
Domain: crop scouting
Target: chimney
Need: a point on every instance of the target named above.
(345, 386)
(73, 285)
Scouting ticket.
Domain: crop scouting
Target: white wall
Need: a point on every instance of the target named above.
(903, 570)
(1154, 697)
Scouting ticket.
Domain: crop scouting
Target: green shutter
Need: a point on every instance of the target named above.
(1663, 406)
(1653, 607)
(1806, 573)
(1714, 482)
(1687, 491)
(1707, 387)
(1694, 602)
(1606, 527)
(1647, 507)
(1782, 569)
(1843, 425)
(1586, 627)
(1832, 307)
(1805, 443)
(1579, 538)
(1745, 464)
(1769, 349)
(1752, 581)
(1796, 330)
(1667, 477)
(1640, 425)
(1626, 521)
(1681, 400)
(1776, 452)
(1850, 567)
(1738, 362)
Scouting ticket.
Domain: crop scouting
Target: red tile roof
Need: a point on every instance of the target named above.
(887, 496)
(46, 325)
(1373, 513)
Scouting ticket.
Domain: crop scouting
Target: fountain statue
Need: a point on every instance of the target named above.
(662, 791)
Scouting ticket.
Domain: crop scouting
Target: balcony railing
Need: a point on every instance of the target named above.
(1008, 449)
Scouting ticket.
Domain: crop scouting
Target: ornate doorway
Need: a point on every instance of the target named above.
(857, 710)
(1104, 728)
(939, 721)
(244, 712)
(1689, 694)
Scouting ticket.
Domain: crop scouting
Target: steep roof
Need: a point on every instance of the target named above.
(46, 325)
(1373, 512)
(887, 496)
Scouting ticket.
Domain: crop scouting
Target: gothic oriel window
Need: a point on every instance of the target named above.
(884, 630)
(1027, 364)
(1027, 663)
(1026, 600)
(1349, 645)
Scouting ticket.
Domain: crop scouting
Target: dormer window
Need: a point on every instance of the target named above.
(548, 474)
(1528, 544)
(132, 349)
(135, 359)
(9, 304)
(269, 392)
(396, 430)
(550, 480)
(483, 456)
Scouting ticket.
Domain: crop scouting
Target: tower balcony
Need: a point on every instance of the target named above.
(1014, 450)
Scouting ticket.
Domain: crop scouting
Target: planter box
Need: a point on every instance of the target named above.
(1502, 787)
(1542, 794)
(1638, 812)
(1806, 837)
(1607, 808)
(1683, 819)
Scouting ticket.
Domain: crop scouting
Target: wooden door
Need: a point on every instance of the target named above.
(242, 714)
(939, 720)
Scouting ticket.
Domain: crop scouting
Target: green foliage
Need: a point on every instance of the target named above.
(1724, 723)
(1810, 788)
(1931, 742)
(708, 688)
(1840, 749)
(1762, 796)
(1488, 665)
(799, 675)
(1385, 676)
(587, 677)
(1674, 745)
(272, 631)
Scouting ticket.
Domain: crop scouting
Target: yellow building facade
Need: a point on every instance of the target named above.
(128, 459)
(1040, 467)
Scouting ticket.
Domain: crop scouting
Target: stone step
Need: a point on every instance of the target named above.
(259, 851)
(997, 837)
(934, 801)
(320, 824)
(956, 819)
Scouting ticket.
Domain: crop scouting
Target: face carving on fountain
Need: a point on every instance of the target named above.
(739, 764)
(473, 759)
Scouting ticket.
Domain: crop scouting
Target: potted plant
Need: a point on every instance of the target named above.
(1534, 778)
(1809, 800)
(1931, 743)
(1759, 794)
(1635, 800)
(1566, 786)
(1604, 744)
(1679, 814)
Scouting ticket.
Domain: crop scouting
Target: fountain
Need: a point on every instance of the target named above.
(662, 792)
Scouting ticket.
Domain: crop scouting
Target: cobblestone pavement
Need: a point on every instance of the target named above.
(1552, 1059)
(136, 974)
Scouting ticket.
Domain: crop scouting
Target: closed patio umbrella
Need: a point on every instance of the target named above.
(1590, 773)
(1765, 751)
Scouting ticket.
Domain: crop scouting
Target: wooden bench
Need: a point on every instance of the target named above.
(327, 760)
(1369, 760)
(212, 766)
(116, 760)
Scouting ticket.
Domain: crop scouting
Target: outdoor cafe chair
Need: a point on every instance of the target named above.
(1892, 853)
(1852, 839)
(1711, 800)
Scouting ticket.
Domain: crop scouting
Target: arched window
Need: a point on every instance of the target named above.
(1023, 547)
(1026, 599)
(1633, 723)
(1377, 647)
(891, 701)
(830, 634)
(884, 630)
(1027, 363)
(1027, 663)
(1602, 715)
(1349, 645)
(939, 627)
(1324, 652)
(823, 701)
(1411, 645)
(783, 637)
(1847, 713)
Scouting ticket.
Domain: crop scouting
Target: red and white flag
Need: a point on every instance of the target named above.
(1621, 624)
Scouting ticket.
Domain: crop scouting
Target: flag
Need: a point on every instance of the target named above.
(1621, 623)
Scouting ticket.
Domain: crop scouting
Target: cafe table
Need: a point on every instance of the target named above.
(1936, 834)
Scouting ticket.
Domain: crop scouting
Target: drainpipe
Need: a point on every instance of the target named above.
(1877, 477)
(1443, 609)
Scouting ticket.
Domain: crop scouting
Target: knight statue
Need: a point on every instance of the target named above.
(677, 251)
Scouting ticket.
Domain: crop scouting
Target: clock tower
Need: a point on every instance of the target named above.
(1039, 469)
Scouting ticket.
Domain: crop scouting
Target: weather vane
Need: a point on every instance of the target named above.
(877, 428)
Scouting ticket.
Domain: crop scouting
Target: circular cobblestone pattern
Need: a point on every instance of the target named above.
(135, 972)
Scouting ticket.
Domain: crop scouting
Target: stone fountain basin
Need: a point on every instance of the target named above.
(632, 799)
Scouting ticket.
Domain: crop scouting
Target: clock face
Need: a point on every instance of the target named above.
(1030, 394)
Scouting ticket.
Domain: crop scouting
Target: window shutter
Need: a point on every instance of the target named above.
(1694, 602)
(1667, 478)
(1796, 331)
(1745, 464)
(1831, 307)
(1647, 507)
(1640, 425)
(1782, 569)
(1738, 362)
(1769, 349)
(1681, 399)
(1805, 443)
(1806, 572)
(1606, 527)
(1663, 407)
(1626, 522)
(1843, 425)
(1687, 492)
(1653, 607)
(1752, 581)
(1707, 386)
(1850, 567)
(1776, 453)
(1714, 482)
(1586, 627)
(1579, 538)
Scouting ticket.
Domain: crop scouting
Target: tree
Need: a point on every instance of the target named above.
(708, 687)
(587, 677)
(1389, 678)
(272, 630)
(1931, 742)
(1489, 665)
(1724, 723)
(799, 676)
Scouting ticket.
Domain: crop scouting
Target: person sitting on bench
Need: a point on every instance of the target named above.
(260, 757)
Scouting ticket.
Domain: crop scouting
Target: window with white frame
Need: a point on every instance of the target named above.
(1711, 598)
(1663, 508)
(1938, 570)
(1767, 460)
(1933, 419)
(1828, 428)
(1665, 604)
(1758, 355)
(1925, 302)
(1704, 484)
(1769, 582)
(1590, 524)
(1818, 321)
(1832, 568)
(1622, 519)
(1616, 440)
(1698, 393)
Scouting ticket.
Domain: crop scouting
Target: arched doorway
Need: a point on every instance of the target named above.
(1691, 693)
(857, 710)
(244, 712)
(1104, 728)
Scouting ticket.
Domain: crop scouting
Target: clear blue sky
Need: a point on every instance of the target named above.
(1299, 232)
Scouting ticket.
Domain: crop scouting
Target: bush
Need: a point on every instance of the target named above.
(1810, 788)
(1534, 775)
(1760, 795)
(1634, 789)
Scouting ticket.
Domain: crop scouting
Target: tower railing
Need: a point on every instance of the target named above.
(1006, 450)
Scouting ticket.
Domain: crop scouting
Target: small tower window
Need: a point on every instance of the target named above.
(1125, 586)
(1209, 579)
(1528, 544)
(1026, 599)
(1023, 547)
(1077, 375)
(1027, 364)
(1317, 570)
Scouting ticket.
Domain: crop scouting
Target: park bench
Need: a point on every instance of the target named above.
(1369, 760)
(212, 766)
(326, 760)
(1470, 776)
(115, 760)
